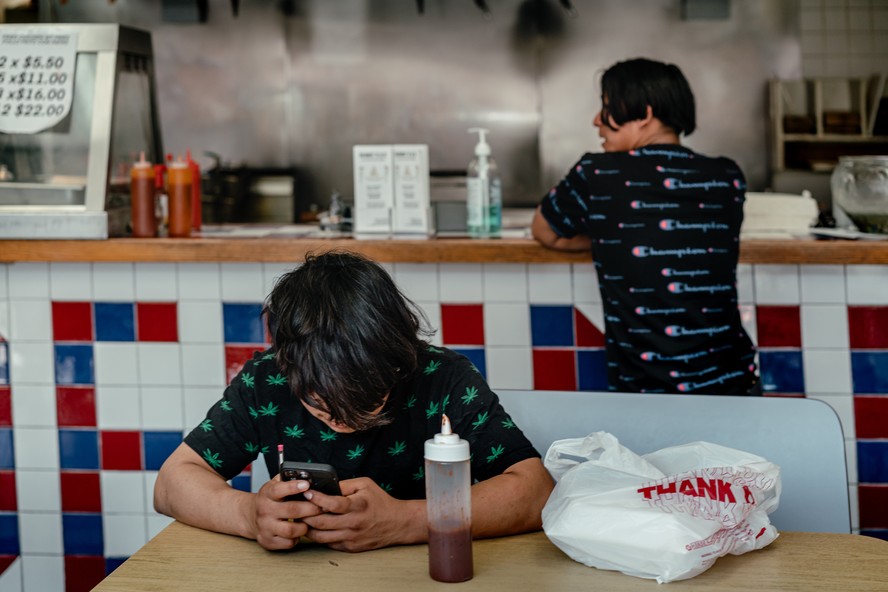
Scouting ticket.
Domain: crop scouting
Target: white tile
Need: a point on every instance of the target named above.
(507, 324)
(31, 320)
(200, 321)
(29, 280)
(124, 534)
(34, 406)
(748, 320)
(745, 284)
(851, 460)
(36, 448)
(549, 283)
(776, 284)
(505, 282)
(242, 282)
(31, 363)
(855, 509)
(272, 272)
(594, 313)
(117, 407)
(4, 282)
(4, 320)
(40, 572)
(827, 371)
(509, 367)
(203, 365)
(159, 364)
(162, 407)
(824, 325)
(461, 282)
(198, 400)
(867, 284)
(11, 579)
(116, 363)
(156, 523)
(199, 281)
(122, 491)
(148, 481)
(71, 282)
(585, 283)
(843, 405)
(38, 491)
(418, 281)
(40, 533)
(432, 312)
(823, 284)
(114, 282)
(156, 282)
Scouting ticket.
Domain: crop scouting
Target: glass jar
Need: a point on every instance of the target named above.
(860, 190)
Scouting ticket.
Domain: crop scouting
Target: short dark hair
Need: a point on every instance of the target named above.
(632, 85)
(344, 335)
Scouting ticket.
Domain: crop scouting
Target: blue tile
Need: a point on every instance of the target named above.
(112, 563)
(869, 371)
(78, 449)
(476, 357)
(551, 325)
(243, 323)
(82, 534)
(875, 533)
(74, 364)
(872, 461)
(9, 534)
(782, 371)
(158, 446)
(241, 482)
(4, 363)
(591, 370)
(7, 451)
(115, 321)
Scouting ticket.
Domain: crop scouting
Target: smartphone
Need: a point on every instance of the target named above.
(320, 477)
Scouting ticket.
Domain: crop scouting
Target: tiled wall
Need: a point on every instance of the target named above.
(845, 38)
(104, 365)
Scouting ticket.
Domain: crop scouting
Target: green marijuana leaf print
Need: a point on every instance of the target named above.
(471, 394)
(328, 435)
(251, 448)
(266, 357)
(435, 350)
(206, 425)
(420, 474)
(410, 402)
(264, 450)
(276, 380)
(495, 453)
(212, 459)
(248, 379)
(225, 405)
(445, 401)
(269, 410)
(294, 432)
(479, 421)
(386, 487)
(508, 423)
(432, 411)
(355, 452)
(433, 365)
(398, 448)
(253, 413)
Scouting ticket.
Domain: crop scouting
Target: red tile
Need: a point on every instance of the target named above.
(83, 573)
(235, 357)
(868, 327)
(778, 326)
(76, 406)
(871, 416)
(156, 321)
(5, 406)
(462, 324)
(873, 503)
(588, 335)
(6, 561)
(554, 370)
(121, 451)
(7, 491)
(72, 321)
(81, 491)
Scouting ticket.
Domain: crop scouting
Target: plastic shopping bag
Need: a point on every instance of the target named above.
(666, 515)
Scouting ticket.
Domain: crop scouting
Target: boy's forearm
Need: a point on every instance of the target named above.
(511, 503)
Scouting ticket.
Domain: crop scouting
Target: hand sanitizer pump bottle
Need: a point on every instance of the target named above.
(449, 506)
(484, 200)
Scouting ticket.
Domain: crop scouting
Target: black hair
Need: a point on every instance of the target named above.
(630, 86)
(344, 335)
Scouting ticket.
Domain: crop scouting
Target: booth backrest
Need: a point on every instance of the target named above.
(802, 436)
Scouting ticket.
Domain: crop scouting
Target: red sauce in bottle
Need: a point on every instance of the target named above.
(450, 555)
(179, 191)
(142, 200)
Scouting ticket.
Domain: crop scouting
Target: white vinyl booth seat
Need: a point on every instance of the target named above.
(802, 436)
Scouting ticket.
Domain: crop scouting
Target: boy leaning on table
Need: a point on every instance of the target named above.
(349, 381)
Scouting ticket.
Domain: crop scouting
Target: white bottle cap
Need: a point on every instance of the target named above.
(482, 148)
(446, 446)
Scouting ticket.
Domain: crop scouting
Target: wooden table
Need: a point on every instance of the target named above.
(186, 558)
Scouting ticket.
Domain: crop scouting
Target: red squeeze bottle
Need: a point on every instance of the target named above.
(179, 191)
(142, 202)
(195, 191)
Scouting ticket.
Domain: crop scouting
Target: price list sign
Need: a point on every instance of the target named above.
(36, 79)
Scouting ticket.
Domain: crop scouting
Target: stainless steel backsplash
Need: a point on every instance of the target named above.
(298, 82)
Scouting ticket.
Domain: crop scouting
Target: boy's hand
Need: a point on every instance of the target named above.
(278, 523)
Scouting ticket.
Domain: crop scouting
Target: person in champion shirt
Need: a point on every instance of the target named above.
(663, 225)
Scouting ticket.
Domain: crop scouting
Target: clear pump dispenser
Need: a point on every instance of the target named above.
(484, 200)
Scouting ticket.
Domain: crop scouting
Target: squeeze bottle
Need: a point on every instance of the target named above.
(142, 202)
(179, 191)
(484, 200)
(449, 505)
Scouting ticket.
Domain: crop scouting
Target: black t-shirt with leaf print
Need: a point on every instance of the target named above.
(258, 411)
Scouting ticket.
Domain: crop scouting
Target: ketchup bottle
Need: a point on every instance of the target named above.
(449, 504)
(196, 215)
(179, 191)
(142, 201)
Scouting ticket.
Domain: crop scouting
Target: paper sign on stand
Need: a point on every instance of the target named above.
(411, 189)
(374, 188)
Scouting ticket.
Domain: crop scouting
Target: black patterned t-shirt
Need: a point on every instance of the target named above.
(258, 411)
(664, 223)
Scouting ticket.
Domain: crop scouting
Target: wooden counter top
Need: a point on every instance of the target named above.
(436, 250)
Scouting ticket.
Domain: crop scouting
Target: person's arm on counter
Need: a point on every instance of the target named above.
(547, 237)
